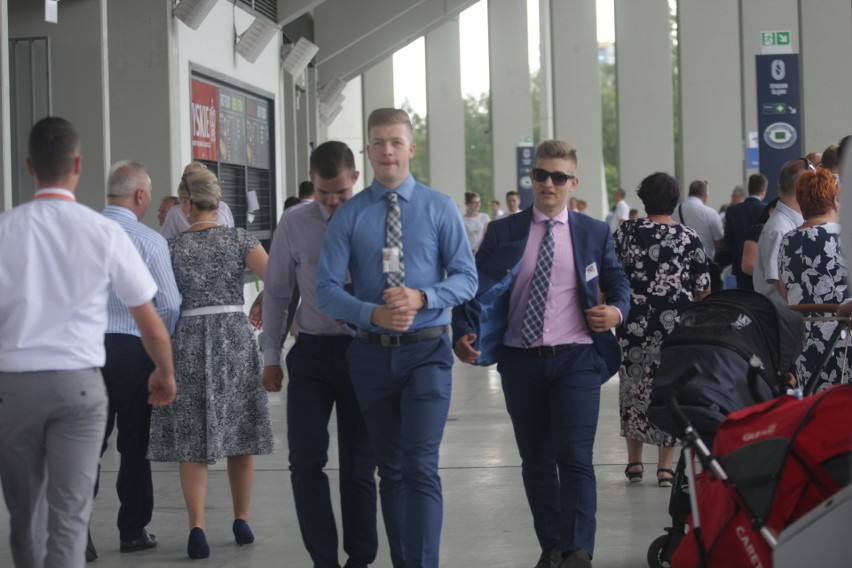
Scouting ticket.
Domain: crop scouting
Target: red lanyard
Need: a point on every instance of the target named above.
(54, 196)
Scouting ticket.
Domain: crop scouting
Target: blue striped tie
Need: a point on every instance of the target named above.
(534, 316)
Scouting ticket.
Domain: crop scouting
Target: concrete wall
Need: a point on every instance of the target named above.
(79, 70)
(5, 128)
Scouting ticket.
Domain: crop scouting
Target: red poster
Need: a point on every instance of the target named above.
(205, 121)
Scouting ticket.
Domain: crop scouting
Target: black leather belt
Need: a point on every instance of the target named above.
(397, 339)
(542, 351)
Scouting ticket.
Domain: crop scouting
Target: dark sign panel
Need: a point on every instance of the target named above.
(232, 133)
(257, 133)
(526, 160)
(778, 115)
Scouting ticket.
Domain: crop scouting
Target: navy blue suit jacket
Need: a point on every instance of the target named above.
(738, 220)
(498, 260)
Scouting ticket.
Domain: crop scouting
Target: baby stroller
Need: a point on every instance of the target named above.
(721, 335)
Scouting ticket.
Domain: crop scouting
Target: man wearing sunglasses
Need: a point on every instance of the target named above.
(537, 314)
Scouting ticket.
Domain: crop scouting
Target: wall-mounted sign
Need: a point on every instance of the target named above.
(205, 121)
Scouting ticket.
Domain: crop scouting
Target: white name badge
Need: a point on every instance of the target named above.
(591, 272)
(390, 259)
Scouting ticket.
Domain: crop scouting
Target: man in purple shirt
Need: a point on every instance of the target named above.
(552, 360)
(319, 375)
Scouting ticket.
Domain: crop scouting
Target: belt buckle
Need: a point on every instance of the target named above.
(391, 340)
(547, 351)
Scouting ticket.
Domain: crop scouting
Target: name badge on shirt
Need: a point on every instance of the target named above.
(390, 259)
(591, 272)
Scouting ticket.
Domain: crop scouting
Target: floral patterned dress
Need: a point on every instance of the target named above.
(221, 408)
(665, 264)
(814, 272)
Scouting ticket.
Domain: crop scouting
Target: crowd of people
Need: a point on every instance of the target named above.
(370, 285)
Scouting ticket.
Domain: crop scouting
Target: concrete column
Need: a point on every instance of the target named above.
(289, 135)
(711, 104)
(826, 37)
(644, 81)
(348, 126)
(5, 117)
(511, 96)
(142, 71)
(377, 89)
(80, 79)
(302, 150)
(757, 16)
(577, 94)
(545, 74)
(445, 116)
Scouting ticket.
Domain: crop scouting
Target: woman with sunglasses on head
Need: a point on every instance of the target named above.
(668, 270)
(813, 270)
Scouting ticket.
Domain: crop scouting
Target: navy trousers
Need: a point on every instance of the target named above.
(404, 393)
(318, 381)
(554, 405)
(126, 374)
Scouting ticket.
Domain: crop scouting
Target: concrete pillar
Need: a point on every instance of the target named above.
(80, 80)
(511, 96)
(644, 81)
(545, 73)
(348, 126)
(377, 89)
(711, 105)
(290, 101)
(142, 70)
(826, 38)
(445, 116)
(577, 94)
(302, 149)
(757, 16)
(5, 117)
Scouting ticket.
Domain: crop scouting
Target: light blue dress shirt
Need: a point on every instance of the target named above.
(436, 253)
(154, 251)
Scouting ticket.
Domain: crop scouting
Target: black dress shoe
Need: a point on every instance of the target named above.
(577, 559)
(550, 558)
(91, 553)
(144, 542)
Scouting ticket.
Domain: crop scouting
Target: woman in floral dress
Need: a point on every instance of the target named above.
(220, 411)
(813, 271)
(668, 270)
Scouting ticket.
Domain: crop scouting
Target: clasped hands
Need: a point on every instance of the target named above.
(398, 311)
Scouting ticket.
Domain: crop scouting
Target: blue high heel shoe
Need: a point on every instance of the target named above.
(197, 546)
(242, 532)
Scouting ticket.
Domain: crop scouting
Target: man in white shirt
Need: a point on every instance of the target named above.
(57, 263)
(695, 213)
(786, 217)
(622, 210)
(513, 202)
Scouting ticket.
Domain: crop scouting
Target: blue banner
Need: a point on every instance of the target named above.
(778, 115)
(526, 161)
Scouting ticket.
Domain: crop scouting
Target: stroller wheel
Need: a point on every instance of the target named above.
(656, 550)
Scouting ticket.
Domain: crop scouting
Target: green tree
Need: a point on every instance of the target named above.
(609, 117)
(477, 141)
(420, 162)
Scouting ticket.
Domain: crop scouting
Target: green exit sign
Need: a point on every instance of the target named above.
(780, 38)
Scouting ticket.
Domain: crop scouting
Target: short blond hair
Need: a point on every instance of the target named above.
(549, 149)
(203, 189)
(190, 167)
(388, 117)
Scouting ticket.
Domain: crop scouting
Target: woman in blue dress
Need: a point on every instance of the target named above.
(813, 272)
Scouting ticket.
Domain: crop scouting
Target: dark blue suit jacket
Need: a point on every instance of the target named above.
(738, 220)
(497, 263)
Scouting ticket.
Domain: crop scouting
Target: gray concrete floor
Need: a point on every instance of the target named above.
(486, 518)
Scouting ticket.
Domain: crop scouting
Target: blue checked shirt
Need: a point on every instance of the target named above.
(437, 255)
(154, 251)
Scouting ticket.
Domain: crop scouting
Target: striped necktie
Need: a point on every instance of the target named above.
(393, 238)
(533, 324)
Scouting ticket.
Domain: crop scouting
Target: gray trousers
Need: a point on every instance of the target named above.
(51, 429)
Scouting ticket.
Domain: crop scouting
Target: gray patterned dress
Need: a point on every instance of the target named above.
(221, 408)
(665, 265)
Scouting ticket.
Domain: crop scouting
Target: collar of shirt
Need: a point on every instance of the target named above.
(119, 211)
(55, 193)
(539, 217)
(794, 216)
(377, 190)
